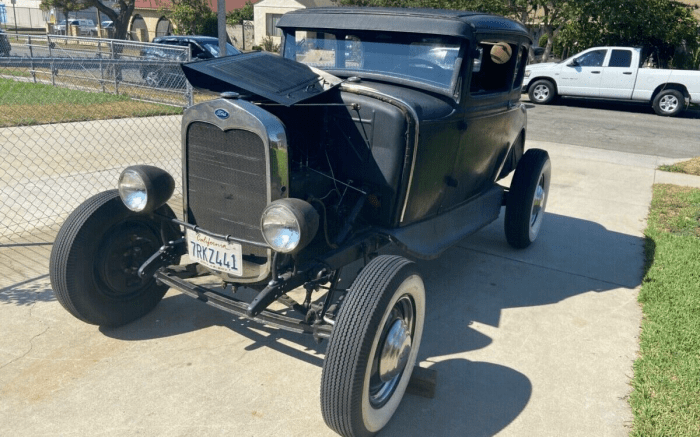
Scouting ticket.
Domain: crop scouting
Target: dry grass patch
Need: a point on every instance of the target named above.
(691, 166)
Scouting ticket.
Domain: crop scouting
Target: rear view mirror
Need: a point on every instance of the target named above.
(573, 63)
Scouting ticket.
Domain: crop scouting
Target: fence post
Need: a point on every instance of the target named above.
(114, 69)
(189, 93)
(31, 57)
(53, 68)
(102, 70)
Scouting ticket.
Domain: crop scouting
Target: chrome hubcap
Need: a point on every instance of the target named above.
(668, 103)
(541, 92)
(395, 352)
(538, 203)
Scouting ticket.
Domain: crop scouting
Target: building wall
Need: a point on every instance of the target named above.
(151, 18)
(265, 7)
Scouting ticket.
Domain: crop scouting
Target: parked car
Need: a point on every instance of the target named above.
(311, 161)
(613, 73)
(85, 27)
(5, 46)
(201, 47)
(107, 24)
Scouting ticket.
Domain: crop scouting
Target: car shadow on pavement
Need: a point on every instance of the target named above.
(472, 283)
(692, 112)
(473, 399)
(178, 314)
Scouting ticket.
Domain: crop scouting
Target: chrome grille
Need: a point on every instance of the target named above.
(226, 180)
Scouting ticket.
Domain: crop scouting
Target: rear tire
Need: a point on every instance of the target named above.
(373, 347)
(527, 198)
(95, 258)
(669, 103)
(542, 92)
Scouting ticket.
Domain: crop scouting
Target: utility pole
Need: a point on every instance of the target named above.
(14, 11)
(221, 12)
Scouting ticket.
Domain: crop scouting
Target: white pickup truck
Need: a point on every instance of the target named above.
(613, 73)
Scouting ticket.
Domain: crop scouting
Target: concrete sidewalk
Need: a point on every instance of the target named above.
(537, 342)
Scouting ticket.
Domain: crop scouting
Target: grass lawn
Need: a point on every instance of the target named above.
(25, 104)
(666, 385)
(692, 166)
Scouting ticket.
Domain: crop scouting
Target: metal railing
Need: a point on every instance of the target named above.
(73, 113)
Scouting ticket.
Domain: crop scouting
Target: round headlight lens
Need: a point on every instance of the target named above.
(132, 190)
(280, 228)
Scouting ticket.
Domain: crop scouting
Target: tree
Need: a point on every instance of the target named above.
(66, 6)
(192, 17)
(552, 14)
(660, 25)
(238, 16)
(493, 6)
(119, 16)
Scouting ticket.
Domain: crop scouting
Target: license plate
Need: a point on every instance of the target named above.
(215, 253)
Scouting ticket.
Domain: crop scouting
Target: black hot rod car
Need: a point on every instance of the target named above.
(375, 127)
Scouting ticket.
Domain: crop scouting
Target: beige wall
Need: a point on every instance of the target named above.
(271, 7)
(151, 17)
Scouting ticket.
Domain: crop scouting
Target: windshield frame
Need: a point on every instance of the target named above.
(289, 48)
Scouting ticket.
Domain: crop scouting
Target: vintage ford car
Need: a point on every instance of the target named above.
(375, 127)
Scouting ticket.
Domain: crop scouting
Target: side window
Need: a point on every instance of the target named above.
(493, 67)
(520, 74)
(271, 24)
(196, 50)
(592, 59)
(620, 58)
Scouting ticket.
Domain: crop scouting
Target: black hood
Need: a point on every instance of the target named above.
(262, 74)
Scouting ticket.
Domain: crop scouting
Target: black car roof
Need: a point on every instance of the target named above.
(198, 38)
(462, 24)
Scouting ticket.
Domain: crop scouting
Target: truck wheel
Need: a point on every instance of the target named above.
(669, 103)
(542, 92)
(527, 198)
(96, 256)
(373, 347)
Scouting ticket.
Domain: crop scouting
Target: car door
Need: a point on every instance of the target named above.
(491, 122)
(582, 76)
(618, 75)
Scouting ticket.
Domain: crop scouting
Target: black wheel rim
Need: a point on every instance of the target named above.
(124, 249)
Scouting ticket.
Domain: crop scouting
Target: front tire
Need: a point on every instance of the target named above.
(669, 103)
(95, 258)
(527, 198)
(373, 347)
(542, 92)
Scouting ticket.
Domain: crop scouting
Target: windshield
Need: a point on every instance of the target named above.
(214, 49)
(431, 60)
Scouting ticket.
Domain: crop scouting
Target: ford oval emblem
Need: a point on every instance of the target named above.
(221, 113)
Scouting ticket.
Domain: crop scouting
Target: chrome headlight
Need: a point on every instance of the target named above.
(288, 225)
(144, 188)
(527, 73)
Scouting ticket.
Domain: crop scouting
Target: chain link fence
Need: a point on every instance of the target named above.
(73, 113)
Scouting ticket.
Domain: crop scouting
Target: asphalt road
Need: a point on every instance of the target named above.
(624, 127)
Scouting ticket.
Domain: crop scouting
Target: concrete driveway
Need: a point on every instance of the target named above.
(537, 342)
